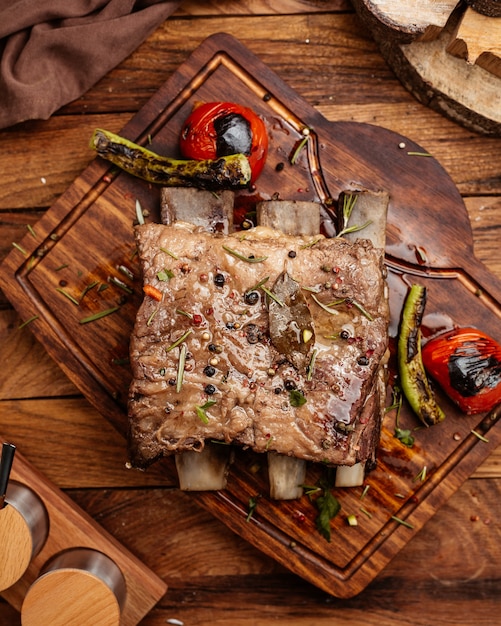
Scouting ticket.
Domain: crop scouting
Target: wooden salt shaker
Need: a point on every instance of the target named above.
(24, 527)
(79, 586)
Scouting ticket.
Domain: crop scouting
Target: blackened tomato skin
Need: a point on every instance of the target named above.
(467, 364)
(216, 129)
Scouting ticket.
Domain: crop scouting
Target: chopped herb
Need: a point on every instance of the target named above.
(120, 283)
(88, 288)
(152, 315)
(171, 254)
(20, 248)
(201, 410)
(252, 506)
(122, 361)
(139, 212)
(97, 316)
(296, 398)
(299, 147)
(61, 267)
(272, 296)
(126, 271)
(327, 504)
(421, 475)
(180, 367)
(102, 287)
(268, 443)
(422, 154)
(311, 243)
(364, 492)
(479, 436)
(185, 313)
(28, 321)
(324, 306)
(165, 274)
(362, 310)
(404, 435)
(67, 295)
(180, 340)
(258, 285)
(401, 521)
(311, 365)
(242, 257)
(365, 512)
(349, 201)
(31, 231)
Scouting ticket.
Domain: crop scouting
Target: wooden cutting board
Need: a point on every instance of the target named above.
(84, 249)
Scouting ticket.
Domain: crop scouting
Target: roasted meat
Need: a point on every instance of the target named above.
(269, 341)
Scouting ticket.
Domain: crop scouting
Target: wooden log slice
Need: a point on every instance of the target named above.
(414, 42)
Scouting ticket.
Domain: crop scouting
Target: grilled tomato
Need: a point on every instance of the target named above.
(466, 363)
(217, 129)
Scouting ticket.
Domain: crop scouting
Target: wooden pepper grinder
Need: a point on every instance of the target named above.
(24, 523)
(79, 586)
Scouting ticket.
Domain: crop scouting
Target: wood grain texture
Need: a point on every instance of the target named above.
(232, 582)
(336, 151)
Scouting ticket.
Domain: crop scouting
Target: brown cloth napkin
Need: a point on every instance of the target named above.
(53, 51)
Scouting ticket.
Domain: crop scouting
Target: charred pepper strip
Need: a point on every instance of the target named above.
(413, 377)
(228, 172)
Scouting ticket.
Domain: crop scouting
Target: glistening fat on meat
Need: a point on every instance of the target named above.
(237, 384)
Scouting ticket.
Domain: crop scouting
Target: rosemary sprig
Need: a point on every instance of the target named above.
(28, 321)
(98, 316)
(171, 254)
(311, 365)
(242, 257)
(180, 367)
(324, 306)
(258, 285)
(139, 212)
(349, 201)
(179, 341)
(201, 410)
(272, 296)
(67, 295)
(20, 248)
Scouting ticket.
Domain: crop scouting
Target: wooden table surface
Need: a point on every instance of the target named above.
(449, 572)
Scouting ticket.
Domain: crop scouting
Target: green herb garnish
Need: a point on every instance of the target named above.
(252, 506)
(180, 367)
(67, 295)
(171, 254)
(242, 257)
(98, 316)
(296, 398)
(165, 275)
(178, 341)
(327, 504)
(201, 410)
(349, 201)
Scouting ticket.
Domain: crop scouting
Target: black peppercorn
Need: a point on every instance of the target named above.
(252, 297)
(292, 254)
(279, 166)
(277, 390)
(290, 385)
(344, 334)
(363, 360)
(219, 280)
(209, 370)
(210, 389)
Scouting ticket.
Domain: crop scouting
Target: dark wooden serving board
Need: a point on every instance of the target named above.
(86, 238)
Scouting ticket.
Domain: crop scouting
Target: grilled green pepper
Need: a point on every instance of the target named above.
(414, 381)
(227, 172)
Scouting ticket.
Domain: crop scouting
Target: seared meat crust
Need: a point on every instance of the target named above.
(320, 400)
